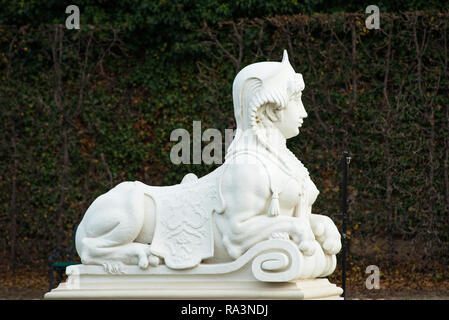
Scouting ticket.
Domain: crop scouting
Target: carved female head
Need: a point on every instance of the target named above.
(268, 95)
(286, 118)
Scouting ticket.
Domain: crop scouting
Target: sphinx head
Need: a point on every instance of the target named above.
(268, 95)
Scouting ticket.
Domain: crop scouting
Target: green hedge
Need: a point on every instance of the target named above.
(84, 110)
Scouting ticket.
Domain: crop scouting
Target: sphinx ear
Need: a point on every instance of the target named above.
(273, 112)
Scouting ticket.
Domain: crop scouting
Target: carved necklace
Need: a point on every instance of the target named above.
(284, 159)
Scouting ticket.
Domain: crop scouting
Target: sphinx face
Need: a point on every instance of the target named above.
(291, 118)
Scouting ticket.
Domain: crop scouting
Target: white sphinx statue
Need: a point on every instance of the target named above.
(249, 220)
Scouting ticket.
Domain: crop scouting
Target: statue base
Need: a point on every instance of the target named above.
(93, 282)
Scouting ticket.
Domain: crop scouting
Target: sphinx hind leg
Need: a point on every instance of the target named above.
(100, 252)
(115, 248)
(108, 231)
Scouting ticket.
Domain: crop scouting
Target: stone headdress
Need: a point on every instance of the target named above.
(259, 84)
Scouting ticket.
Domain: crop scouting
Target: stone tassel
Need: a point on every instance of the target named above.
(274, 206)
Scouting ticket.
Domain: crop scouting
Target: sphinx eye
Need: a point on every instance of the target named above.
(297, 96)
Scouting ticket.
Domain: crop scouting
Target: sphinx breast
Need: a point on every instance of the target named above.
(310, 191)
(288, 196)
(292, 192)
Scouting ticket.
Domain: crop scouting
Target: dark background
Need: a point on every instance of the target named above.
(83, 110)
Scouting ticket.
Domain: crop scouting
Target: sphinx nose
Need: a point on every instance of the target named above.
(303, 113)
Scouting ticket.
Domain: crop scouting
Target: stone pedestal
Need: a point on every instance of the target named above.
(93, 282)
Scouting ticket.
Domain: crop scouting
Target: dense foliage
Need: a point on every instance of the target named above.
(84, 110)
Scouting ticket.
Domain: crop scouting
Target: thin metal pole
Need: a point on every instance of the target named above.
(344, 205)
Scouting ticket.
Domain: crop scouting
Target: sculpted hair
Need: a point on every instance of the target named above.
(263, 104)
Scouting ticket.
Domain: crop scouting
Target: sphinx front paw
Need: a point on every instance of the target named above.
(307, 247)
(331, 246)
(304, 238)
(326, 233)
